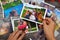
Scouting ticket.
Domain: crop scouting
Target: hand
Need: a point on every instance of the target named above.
(49, 27)
(17, 35)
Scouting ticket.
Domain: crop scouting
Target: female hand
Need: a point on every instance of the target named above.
(17, 35)
(49, 27)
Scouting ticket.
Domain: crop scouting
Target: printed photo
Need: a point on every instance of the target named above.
(21, 24)
(33, 2)
(50, 9)
(54, 2)
(52, 12)
(57, 12)
(12, 8)
(33, 13)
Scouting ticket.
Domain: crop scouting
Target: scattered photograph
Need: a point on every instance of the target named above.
(21, 24)
(54, 2)
(12, 8)
(50, 9)
(57, 12)
(53, 13)
(33, 13)
(33, 2)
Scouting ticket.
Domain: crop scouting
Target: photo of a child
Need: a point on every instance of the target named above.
(21, 24)
(13, 13)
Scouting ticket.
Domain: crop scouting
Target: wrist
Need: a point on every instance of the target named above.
(51, 38)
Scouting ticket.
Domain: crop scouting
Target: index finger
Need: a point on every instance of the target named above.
(13, 34)
(22, 36)
(18, 34)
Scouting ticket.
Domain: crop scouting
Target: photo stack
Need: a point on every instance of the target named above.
(27, 15)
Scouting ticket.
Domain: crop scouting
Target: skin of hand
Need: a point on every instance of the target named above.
(17, 35)
(49, 27)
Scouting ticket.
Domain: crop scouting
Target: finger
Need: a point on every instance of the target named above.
(48, 19)
(44, 22)
(18, 34)
(9, 36)
(22, 36)
(13, 34)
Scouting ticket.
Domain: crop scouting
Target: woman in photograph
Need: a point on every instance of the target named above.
(32, 16)
(13, 13)
(40, 17)
(27, 14)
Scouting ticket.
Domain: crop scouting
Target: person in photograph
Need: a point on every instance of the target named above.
(33, 3)
(34, 12)
(22, 25)
(40, 17)
(27, 14)
(32, 16)
(36, 16)
(3, 2)
(13, 13)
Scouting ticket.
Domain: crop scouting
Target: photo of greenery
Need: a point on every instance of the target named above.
(31, 26)
(10, 4)
(39, 13)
